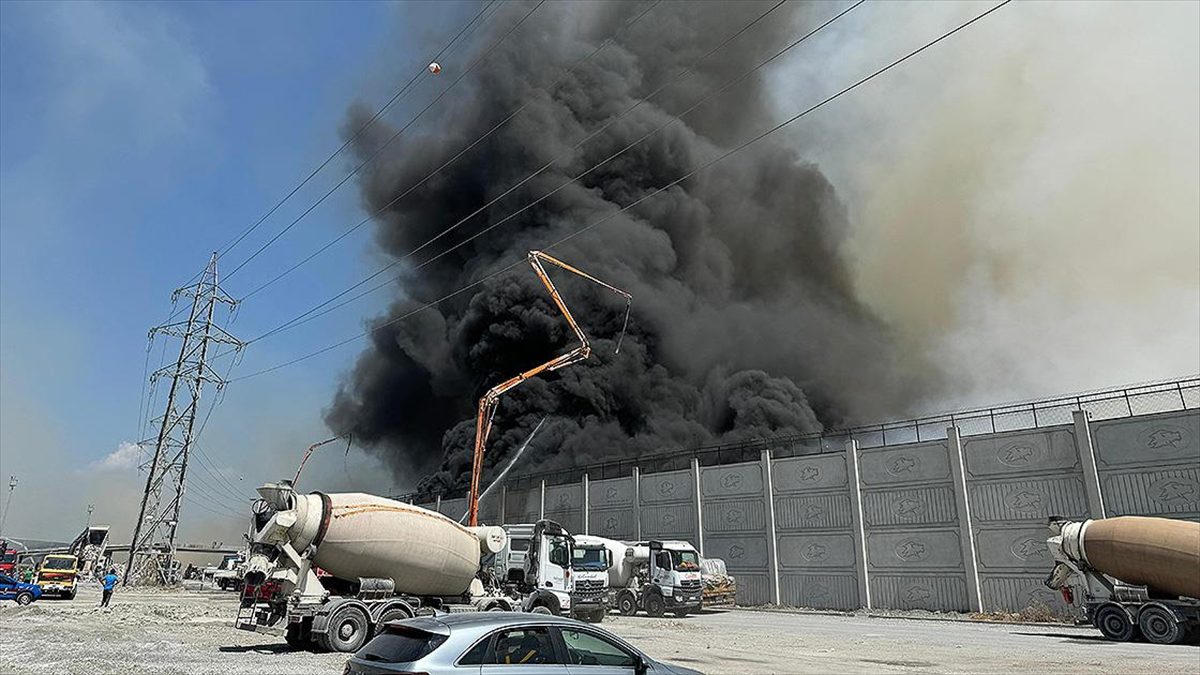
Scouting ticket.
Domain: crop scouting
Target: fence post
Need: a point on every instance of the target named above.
(699, 510)
(637, 502)
(503, 504)
(587, 504)
(963, 504)
(1087, 461)
(772, 541)
(437, 503)
(542, 501)
(860, 539)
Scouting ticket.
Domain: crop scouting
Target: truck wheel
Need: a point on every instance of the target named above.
(1159, 625)
(681, 612)
(655, 605)
(73, 593)
(394, 614)
(24, 598)
(347, 630)
(627, 604)
(1113, 621)
(598, 616)
(541, 609)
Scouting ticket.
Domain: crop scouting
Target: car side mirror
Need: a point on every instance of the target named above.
(639, 666)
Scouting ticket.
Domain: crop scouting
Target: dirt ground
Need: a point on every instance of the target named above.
(192, 632)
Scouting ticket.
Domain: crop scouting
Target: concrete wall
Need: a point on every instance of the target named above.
(958, 523)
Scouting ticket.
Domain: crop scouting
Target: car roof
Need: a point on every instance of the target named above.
(482, 620)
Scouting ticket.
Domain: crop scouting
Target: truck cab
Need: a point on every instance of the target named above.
(58, 574)
(674, 570)
(536, 566)
(590, 561)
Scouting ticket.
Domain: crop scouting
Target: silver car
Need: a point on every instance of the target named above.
(490, 643)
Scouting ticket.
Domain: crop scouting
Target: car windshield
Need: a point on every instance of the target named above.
(58, 564)
(685, 561)
(8, 556)
(590, 559)
(400, 646)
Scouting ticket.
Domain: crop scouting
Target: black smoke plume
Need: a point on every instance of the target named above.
(744, 322)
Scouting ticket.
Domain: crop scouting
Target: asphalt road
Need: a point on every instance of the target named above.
(192, 632)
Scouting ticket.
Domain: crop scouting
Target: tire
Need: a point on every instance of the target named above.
(24, 598)
(681, 612)
(347, 631)
(1160, 625)
(73, 593)
(393, 614)
(497, 608)
(221, 584)
(627, 604)
(541, 609)
(655, 606)
(1113, 622)
(598, 616)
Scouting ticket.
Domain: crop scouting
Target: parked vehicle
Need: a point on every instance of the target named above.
(388, 560)
(1133, 576)
(11, 589)
(58, 575)
(228, 575)
(535, 566)
(654, 577)
(10, 551)
(519, 643)
(590, 562)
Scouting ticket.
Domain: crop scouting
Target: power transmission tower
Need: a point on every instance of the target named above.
(152, 550)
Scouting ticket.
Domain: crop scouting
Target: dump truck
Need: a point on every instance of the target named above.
(1134, 577)
(720, 588)
(654, 577)
(58, 576)
(388, 560)
(590, 562)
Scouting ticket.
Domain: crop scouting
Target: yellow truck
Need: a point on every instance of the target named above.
(58, 575)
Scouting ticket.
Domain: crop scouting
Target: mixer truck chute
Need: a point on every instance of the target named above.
(1133, 576)
(388, 560)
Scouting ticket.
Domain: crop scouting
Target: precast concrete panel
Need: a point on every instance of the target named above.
(753, 589)
(454, 508)
(611, 493)
(813, 521)
(731, 480)
(1015, 480)
(801, 551)
(667, 487)
(818, 512)
(669, 521)
(830, 591)
(564, 505)
(522, 506)
(615, 523)
(917, 506)
(747, 553)
(1021, 591)
(804, 474)
(935, 593)
(914, 547)
(1150, 465)
(733, 515)
(917, 463)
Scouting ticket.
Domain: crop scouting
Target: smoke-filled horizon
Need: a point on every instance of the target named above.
(745, 322)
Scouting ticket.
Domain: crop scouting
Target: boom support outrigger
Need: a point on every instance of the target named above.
(490, 400)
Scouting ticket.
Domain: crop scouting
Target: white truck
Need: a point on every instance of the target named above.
(654, 576)
(388, 560)
(535, 567)
(1133, 576)
(228, 574)
(590, 563)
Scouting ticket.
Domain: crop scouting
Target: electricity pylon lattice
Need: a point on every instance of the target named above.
(152, 550)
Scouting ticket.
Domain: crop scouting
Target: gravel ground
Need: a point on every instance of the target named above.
(192, 632)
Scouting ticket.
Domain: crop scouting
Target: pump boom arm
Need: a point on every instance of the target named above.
(491, 400)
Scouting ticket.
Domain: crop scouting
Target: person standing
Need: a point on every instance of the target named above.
(109, 581)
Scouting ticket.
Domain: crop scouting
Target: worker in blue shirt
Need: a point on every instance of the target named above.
(109, 581)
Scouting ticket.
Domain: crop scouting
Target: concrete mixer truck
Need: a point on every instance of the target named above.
(388, 560)
(1133, 576)
(653, 576)
(591, 560)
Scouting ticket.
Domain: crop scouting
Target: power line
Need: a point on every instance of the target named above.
(656, 192)
(315, 312)
(379, 113)
(448, 162)
(386, 143)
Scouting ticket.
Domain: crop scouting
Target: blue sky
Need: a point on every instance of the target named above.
(136, 139)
